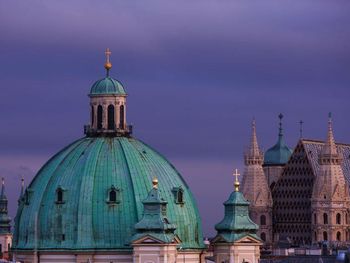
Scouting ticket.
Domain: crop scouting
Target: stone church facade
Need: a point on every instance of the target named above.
(310, 194)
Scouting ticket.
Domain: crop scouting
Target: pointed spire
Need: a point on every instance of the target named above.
(301, 129)
(253, 155)
(2, 196)
(280, 133)
(22, 186)
(108, 64)
(330, 149)
(254, 147)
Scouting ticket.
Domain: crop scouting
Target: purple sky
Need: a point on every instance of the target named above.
(197, 72)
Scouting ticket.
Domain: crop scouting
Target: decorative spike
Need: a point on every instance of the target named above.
(301, 128)
(108, 64)
(22, 186)
(254, 147)
(330, 148)
(280, 116)
(2, 187)
(236, 174)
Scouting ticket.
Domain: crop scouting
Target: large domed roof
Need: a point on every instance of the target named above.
(107, 86)
(83, 217)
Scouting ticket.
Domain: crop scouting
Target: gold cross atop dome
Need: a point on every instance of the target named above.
(236, 174)
(108, 64)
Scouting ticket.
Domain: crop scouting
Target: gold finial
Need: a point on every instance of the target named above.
(3, 180)
(108, 64)
(155, 183)
(236, 181)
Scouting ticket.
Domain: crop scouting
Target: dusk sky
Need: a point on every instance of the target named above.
(196, 72)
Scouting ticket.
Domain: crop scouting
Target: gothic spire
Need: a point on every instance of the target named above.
(2, 195)
(254, 147)
(253, 155)
(330, 148)
(5, 220)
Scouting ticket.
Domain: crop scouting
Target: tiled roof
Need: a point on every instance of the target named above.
(313, 149)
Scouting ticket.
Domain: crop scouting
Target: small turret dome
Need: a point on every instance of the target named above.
(279, 153)
(108, 86)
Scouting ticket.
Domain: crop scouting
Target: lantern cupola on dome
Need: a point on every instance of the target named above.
(108, 106)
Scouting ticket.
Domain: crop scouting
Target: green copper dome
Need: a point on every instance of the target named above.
(107, 86)
(89, 197)
(279, 153)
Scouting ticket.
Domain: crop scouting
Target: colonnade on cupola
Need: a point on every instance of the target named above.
(108, 112)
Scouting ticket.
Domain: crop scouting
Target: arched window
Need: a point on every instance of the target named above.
(338, 219)
(178, 195)
(315, 236)
(338, 236)
(315, 218)
(263, 236)
(113, 195)
(325, 219)
(59, 196)
(263, 220)
(111, 123)
(121, 114)
(92, 116)
(99, 117)
(325, 236)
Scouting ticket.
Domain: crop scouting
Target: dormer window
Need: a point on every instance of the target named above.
(59, 195)
(113, 195)
(178, 195)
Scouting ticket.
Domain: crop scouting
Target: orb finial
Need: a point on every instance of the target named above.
(108, 64)
(155, 183)
(236, 174)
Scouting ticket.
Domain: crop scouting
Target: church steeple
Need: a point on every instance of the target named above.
(330, 196)
(108, 106)
(255, 188)
(5, 220)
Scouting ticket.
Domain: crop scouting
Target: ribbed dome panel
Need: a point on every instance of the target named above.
(85, 171)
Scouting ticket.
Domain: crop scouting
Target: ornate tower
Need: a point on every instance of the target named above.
(276, 158)
(155, 240)
(108, 106)
(236, 240)
(256, 189)
(330, 200)
(5, 227)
